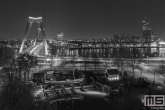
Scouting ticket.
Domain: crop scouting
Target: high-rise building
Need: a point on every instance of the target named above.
(153, 36)
(146, 30)
(60, 36)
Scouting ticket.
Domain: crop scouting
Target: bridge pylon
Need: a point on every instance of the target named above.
(41, 29)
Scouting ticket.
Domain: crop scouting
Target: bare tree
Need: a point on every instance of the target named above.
(87, 63)
(15, 95)
(32, 61)
(133, 63)
(140, 67)
(25, 63)
(161, 66)
(84, 65)
(6, 55)
(96, 63)
(120, 63)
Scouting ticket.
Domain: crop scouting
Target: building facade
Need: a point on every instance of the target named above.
(119, 46)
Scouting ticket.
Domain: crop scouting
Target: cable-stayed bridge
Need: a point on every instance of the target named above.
(39, 49)
(36, 48)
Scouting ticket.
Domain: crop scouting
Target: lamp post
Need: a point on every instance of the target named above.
(72, 103)
(114, 62)
(147, 59)
(157, 51)
(164, 82)
(105, 61)
(73, 70)
(51, 62)
(154, 84)
(141, 71)
(95, 56)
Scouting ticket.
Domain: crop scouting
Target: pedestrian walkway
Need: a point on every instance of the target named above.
(159, 79)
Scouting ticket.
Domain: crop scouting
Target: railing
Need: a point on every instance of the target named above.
(103, 88)
(63, 63)
(151, 81)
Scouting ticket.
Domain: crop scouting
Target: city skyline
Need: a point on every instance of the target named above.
(82, 19)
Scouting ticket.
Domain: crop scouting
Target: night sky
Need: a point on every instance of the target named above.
(82, 18)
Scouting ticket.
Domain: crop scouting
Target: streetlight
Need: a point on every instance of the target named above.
(147, 59)
(73, 70)
(95, 55)
(105, 61)
(72, 103)
(51, 62)
(143, 55)
(154, 83)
